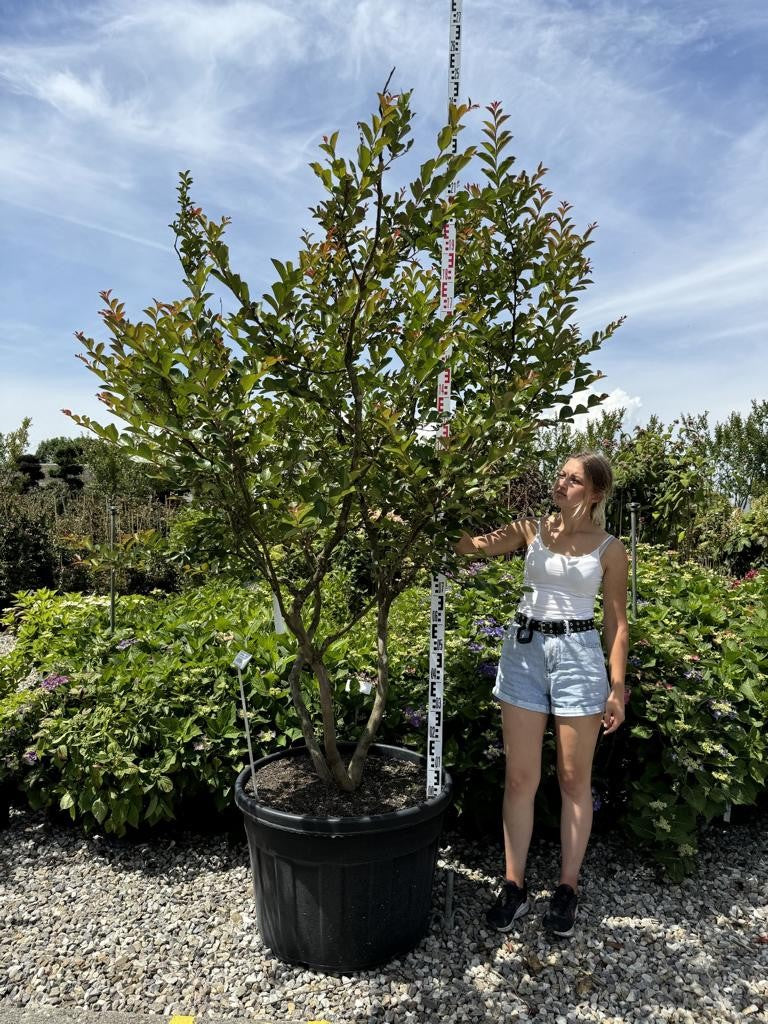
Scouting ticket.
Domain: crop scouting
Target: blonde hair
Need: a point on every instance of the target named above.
(597, 470)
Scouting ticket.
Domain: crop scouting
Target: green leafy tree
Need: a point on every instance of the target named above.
(741, 451)
(668, 471)
(67, 454)
(111, 471)
(49, 448)
(12, 447)
(308, 416)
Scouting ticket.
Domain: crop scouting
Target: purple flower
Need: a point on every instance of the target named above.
(414, 717)
(489, 627)
(50, 683)
(597, 801)
(475, 647)
(200, 744)
(475, 567)
(488, 669)
(30, 757)
(128, 642)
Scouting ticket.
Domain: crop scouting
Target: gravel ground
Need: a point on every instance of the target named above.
(169, 927)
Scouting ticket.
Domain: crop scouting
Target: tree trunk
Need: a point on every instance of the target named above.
(371, 729)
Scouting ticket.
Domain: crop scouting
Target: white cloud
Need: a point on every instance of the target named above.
(618, 399)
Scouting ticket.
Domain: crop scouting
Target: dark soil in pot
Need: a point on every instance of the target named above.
(292, 785)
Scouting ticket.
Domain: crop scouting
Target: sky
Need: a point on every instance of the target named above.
(651, 115)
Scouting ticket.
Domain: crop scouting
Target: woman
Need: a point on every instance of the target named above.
(552, 661)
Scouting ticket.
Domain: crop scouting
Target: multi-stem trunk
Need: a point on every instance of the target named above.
(328, 762)
(371, 729)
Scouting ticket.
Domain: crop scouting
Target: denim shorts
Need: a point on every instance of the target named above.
(564, 674)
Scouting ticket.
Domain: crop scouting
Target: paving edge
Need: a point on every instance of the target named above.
(12, 1013)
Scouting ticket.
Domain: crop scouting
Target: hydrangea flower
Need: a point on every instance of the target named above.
(30, 757)
(597, 801)
(475, 647)
(128, 642)
(488, 669)
(415, 717)
(488, 626)
(52, 682)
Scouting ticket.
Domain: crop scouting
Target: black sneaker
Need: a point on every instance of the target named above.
(511, 903)
(561, 915)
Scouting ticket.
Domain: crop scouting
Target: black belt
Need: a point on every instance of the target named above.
(551, 627)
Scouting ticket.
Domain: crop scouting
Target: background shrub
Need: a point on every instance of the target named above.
(27, 549)
(132, 725)
(148, 718)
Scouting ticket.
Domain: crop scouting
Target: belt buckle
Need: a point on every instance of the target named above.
(524, 632)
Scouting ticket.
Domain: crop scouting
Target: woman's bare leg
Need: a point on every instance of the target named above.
(523, 734)
(576, 740)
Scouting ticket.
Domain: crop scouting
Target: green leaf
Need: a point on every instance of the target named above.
(99, 810)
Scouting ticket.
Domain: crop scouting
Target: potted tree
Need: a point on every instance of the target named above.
(306, 421)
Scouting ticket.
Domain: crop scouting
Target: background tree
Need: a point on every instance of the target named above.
(741, 451)
(67, 455)
(12, 447)
(31, 471)
(111, 471)
(47, 449)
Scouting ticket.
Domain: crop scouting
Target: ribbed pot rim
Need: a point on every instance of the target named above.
(391, 821)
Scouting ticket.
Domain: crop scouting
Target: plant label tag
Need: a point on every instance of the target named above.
(280, 626)
(241, 660)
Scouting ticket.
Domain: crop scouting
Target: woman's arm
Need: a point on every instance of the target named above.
(615, 630)
(507, 538)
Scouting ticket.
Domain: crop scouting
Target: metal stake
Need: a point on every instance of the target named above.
(112, 514)
(633, 508)
(241, 660)
(448, 915)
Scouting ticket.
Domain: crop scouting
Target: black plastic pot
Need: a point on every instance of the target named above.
(343, 894)
(6, 792)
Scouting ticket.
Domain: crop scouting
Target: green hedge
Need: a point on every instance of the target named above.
(119, 731)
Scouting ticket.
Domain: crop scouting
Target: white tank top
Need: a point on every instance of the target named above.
(562, 586)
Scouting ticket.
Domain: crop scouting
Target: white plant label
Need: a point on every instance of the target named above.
(241, 660)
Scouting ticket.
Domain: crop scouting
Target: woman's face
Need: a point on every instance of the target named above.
(572, 488)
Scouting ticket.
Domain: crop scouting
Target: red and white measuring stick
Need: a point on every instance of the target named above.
(439, 582)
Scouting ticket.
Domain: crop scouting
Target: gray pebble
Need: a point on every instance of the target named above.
(169, 927)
